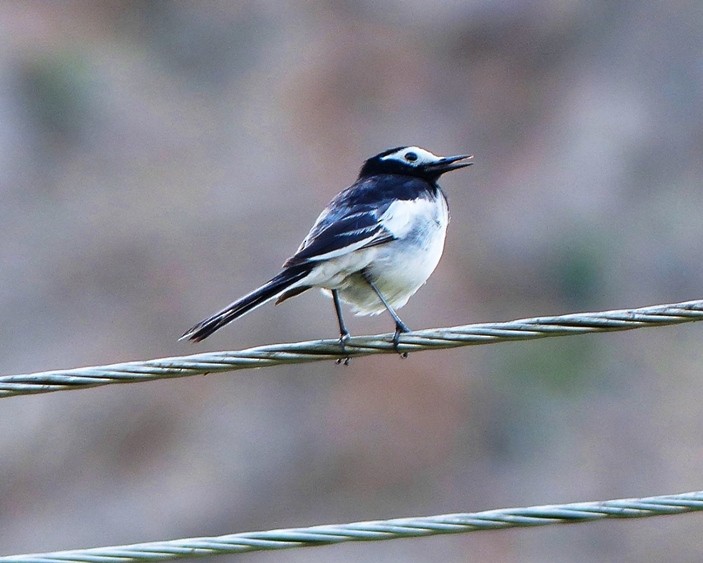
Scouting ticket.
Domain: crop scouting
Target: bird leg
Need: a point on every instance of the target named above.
(343, 331)
(400, 326)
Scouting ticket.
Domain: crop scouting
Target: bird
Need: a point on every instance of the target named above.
(373, 246)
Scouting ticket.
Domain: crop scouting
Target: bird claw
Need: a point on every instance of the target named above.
(399, 329)
(343, 339)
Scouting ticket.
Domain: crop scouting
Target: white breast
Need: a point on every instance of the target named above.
(399, 268)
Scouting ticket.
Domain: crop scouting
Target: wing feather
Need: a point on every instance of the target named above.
(338, 234)
(352, 219)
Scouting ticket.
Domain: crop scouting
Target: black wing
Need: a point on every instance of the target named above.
(351, 220)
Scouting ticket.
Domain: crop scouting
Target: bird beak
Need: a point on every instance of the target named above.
(449, 163)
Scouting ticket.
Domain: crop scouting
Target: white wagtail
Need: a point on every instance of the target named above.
(373, 246)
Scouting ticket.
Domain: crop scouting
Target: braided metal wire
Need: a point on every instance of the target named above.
(378, 530)
(316, 350)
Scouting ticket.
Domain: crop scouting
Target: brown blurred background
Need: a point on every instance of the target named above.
(159, 159)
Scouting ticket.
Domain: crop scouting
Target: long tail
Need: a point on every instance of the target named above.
(249, 302)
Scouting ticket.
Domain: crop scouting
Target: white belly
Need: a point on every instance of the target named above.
(398, 268)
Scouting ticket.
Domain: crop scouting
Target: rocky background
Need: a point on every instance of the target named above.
(159, 159)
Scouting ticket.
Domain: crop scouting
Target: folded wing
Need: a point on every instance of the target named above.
(339, 231)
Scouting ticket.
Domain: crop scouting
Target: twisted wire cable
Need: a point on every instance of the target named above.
(329, 349)
(377, 530)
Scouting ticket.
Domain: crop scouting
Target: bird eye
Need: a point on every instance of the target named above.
(410, 157)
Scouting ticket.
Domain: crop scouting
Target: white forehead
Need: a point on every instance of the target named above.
(424, 157)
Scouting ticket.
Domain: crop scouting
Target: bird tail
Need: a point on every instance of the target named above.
(272, 288)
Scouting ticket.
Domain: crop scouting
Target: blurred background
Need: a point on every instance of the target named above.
(160, 159)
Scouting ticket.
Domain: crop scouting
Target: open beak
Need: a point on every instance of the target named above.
(449, 163)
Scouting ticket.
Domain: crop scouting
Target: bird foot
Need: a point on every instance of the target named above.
(399, 329)
(343, 338)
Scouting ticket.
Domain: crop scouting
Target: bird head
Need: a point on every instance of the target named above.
(413, 161)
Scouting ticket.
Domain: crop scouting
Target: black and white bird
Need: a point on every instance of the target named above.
(372, 247)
